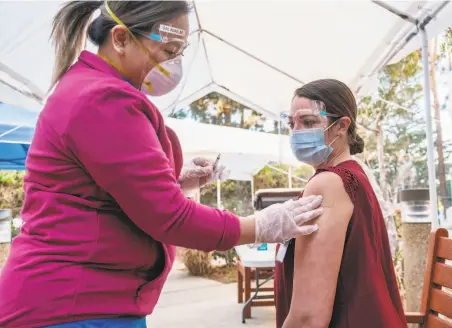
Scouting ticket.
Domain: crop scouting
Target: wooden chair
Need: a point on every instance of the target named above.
(436, 298)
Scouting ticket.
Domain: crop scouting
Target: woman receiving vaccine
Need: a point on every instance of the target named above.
(343, 275)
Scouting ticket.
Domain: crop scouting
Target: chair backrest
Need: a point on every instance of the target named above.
(436, 300)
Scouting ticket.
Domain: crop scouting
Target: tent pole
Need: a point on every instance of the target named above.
(246, 102)
(35, 93)
(10, 131)
(252, 190)
(280, 140)
(289, 176)
(218, 193)
(284, 172)
(428, 118)
(252, 56)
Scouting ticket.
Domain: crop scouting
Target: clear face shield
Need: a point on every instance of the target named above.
(308, 128)
(314, 116)
(172, 42)
(170, 39)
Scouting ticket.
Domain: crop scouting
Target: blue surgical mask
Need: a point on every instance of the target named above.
(309, 147)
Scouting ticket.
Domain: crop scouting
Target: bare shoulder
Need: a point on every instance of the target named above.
(327, 184)
(336, 201)
(324, 181)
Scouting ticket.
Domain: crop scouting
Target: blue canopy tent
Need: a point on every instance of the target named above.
(17, 126)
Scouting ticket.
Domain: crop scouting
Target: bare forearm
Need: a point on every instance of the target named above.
(247, 230)
(305, 322)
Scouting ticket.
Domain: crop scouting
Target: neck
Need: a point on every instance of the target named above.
(336, 158)
(114, 62)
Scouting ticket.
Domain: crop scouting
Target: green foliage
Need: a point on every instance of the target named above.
(229, 256)
(446, 45)
(236, 195)
(270, 178)
(215, 108)
(398, 258)
(198, 263)
(395, 115)
(12, 193)
(399, 118)
(11, 190)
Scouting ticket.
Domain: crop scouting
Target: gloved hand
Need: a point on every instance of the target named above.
(199, 172)
(220, 173)
(281, 222)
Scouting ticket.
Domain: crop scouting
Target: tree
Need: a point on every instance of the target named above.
(446, 47)
(217, 109)
(394, 126)
(11, 191)
(443, 192)
(236, 195)
(11, 197)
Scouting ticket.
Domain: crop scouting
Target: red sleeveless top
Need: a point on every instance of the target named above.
(367, 294)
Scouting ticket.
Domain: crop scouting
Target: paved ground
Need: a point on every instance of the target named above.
(189, 302)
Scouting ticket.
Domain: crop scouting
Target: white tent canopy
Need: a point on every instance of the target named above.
(255, 52)
(242, 151)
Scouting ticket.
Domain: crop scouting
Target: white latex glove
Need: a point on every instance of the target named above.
(220, 173)
(196, 174)
(281, 222)
(199, 172)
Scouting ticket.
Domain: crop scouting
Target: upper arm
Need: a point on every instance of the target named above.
(118, 146)
(318, 256)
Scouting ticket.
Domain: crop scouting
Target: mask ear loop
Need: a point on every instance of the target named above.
(332, 142)
(119, 22)
(327, 128)
(329, 145)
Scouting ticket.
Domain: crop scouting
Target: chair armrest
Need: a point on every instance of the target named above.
(415, 317)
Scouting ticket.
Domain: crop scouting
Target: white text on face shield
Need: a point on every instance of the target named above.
(172, 30)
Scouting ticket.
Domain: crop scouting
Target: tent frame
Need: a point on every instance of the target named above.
(32, 90)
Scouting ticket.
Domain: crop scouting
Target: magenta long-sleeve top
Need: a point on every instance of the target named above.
(102, 206)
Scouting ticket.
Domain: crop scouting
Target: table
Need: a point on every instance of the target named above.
(262, 264)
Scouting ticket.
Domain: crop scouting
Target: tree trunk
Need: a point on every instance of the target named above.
(449, 60)
(242, 118)
(381, 160)
(439, 134)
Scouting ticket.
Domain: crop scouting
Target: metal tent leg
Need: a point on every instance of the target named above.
(218, 193)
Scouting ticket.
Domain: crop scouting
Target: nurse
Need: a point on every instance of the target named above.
(104, 193)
